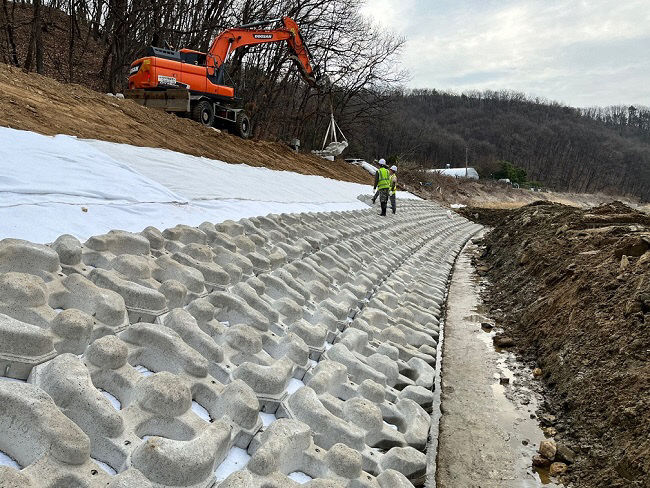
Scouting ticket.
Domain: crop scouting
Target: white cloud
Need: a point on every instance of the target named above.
(578, 52)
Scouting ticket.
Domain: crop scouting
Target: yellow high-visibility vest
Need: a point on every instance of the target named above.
(393, 184)
(384, 179)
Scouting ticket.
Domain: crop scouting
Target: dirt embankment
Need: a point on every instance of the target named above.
(572, 288)
(37, 103)
(488, 194)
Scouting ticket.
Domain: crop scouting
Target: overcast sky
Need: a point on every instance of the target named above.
(579, 52)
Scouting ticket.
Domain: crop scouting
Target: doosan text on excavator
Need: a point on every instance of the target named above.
(193, 83)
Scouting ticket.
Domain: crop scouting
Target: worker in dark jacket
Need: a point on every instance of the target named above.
(393, 187)
(382, 162)
(382, 184)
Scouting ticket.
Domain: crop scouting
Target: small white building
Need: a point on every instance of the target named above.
(470, 173)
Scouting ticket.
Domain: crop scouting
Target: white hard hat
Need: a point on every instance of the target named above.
(382, 162)
(393, 168)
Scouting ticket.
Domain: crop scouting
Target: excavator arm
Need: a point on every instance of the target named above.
(247, 35)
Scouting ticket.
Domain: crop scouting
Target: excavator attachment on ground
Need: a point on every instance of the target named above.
(196, 84)
(171, 100)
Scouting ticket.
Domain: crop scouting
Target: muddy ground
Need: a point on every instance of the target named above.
(571, 287)
(32, 102)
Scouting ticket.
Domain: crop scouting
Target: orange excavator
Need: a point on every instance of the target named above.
(196, 84)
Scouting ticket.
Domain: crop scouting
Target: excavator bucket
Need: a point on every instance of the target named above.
(171, 100)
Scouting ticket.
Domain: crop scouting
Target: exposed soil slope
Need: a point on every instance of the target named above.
(41, 104)
(488, 193)
(572, 287)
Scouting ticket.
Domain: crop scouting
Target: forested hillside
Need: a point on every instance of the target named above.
(599, 149)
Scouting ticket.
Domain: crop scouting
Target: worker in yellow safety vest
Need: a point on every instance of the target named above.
(393, 187)
(382, 184)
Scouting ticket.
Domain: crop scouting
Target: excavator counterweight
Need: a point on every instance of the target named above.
(193, 83)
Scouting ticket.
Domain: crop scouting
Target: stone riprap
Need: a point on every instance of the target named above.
(268, 352)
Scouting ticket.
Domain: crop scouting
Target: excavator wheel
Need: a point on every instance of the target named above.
(203, 113)
(243, 126)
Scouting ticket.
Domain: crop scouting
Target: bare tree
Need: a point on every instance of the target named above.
(7, 18)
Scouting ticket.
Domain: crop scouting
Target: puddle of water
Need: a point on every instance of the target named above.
(236, 459)
(511, 419)
(525, 426)
(544, 475)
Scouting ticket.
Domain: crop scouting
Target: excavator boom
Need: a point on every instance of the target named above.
(230, 40)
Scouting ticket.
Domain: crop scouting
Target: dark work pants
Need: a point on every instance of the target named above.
(383, 199)
(393, 203)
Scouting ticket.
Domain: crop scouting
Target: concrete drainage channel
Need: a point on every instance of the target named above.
(274, 351)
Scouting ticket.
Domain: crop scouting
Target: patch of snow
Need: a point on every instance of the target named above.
(294, 385)
(6, 460)
(267, 418)
(6, 378)
(392, 426)
(200, 410)
(470, 173)
(105, 467)
(117, 405)
(328, 345)
(236, 459)
(300, 477)
(457, 205)
(142, 370)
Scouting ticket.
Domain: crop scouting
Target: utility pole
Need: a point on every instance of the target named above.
(465, 161)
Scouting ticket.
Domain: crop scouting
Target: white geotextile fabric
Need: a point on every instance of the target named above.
(63, 169)
(199, 178)
(55, 185)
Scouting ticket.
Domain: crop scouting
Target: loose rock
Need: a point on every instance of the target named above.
(625, 262)
(503, 341)
(557, 469)
(550, 431)
(565, 454)
(547, 448)
(540, 461)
